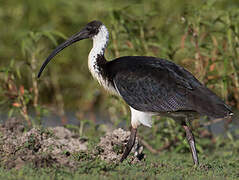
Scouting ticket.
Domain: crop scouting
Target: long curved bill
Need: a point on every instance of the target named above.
(83, 34)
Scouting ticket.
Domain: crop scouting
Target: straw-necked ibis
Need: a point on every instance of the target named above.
(149, 85)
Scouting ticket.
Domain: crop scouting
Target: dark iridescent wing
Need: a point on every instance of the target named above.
(152, 89)
(156, 85)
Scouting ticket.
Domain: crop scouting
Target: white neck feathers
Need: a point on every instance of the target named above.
(100, 40)
(99, 44)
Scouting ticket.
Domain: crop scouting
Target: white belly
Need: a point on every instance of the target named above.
(140, 117)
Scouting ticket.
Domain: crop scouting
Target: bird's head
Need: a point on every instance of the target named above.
(89, 31)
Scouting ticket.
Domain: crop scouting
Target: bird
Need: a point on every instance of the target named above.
(150, 86)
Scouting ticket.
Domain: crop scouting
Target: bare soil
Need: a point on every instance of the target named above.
(57, 146)
(111, 146)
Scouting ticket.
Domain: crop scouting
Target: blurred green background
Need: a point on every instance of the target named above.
(202, 36)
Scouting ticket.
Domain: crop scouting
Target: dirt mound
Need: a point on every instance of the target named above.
(42, 147)
(111, 147)
(46, 147)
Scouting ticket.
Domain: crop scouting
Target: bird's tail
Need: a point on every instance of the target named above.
(208, 103)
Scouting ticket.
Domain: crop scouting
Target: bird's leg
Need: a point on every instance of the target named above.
(129, 144)
(192, 144)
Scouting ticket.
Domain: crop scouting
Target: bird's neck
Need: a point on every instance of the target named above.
(96, 58)
(97, 61)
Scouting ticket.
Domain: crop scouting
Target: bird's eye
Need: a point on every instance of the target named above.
(88, 28)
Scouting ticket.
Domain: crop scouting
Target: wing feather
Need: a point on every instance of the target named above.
(157, 85)
(152, 89)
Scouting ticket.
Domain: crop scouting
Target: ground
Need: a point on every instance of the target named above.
(58, 146)
(57, 153)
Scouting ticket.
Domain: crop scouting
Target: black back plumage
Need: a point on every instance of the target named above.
(151, 84)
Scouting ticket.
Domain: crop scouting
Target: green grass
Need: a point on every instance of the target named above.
(220, 164)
